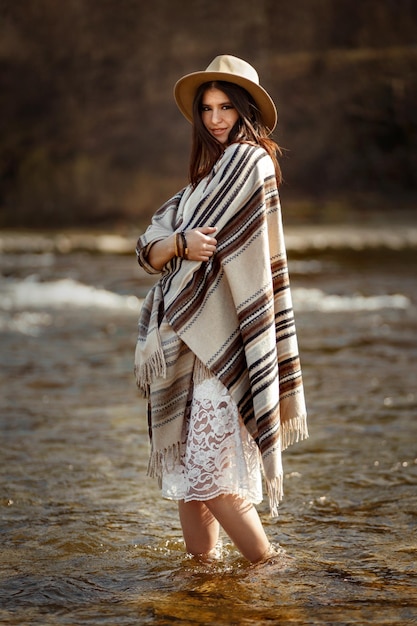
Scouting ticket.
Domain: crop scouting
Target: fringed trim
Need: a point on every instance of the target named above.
(165, 459)
(147, 371)
(143, 390)
(275, 491)
(294, 430)
(201, 372)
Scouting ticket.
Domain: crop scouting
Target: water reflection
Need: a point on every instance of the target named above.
(85, 536)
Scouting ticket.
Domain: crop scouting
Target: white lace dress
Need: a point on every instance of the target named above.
(220, 457)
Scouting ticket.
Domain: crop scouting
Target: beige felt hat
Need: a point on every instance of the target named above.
(233, 70)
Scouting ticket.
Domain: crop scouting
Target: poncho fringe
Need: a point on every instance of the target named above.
(233, 314)
(167, 458)
(293, 431)
(155, 366)
(275, 492)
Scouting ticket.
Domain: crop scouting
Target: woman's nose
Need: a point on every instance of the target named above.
(216, 116)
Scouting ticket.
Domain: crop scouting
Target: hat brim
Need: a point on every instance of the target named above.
(186, 88)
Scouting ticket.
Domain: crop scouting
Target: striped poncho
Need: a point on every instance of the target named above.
(232, 313)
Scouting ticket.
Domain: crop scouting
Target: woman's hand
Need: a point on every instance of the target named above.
(200, 243)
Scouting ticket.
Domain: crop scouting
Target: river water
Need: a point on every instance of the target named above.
(85, 536)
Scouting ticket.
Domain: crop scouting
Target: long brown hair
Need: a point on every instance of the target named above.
(249, 128)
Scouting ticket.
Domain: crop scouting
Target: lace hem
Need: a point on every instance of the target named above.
(218, 454)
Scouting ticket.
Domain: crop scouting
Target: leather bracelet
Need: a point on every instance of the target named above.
(185, 247)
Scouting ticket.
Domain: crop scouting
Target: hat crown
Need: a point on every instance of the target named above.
(228, 64)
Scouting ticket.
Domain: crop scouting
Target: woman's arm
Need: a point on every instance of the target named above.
(161, 252)
(201, 246)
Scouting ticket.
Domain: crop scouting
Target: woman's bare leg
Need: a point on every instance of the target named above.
(199, 527)
(241, 522)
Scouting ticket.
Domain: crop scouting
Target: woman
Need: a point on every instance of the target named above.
(217, 353)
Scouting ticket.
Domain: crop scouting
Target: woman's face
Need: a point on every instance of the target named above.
(218, 114)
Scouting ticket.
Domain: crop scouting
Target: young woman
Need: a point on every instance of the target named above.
(217, 352)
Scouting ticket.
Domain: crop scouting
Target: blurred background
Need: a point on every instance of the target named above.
(91, 143)
(90, 134)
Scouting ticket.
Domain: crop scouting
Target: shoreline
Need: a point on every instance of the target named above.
(299, 239)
